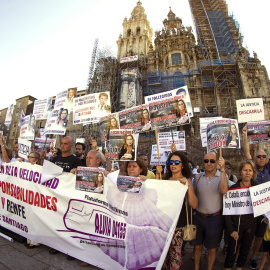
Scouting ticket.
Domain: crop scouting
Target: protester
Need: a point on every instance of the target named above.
(79, 152)
(232, 139)
(209, 186)
(266, 247)
(67, 161)
(263, 176)
(135, 169)
(241, 228)
(228, 170)
(177, 169)
(128, 150)
(6, 154)
(144, 157)
(16, 150)
(33, 158)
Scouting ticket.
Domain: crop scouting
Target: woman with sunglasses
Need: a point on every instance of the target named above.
(178, 169)
(241, 228)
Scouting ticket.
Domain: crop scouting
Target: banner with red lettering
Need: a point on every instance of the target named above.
(260, 196)
(113, 230)
(250, 110)
(171, 108)
(223, 133)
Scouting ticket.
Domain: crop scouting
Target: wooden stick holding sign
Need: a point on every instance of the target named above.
(158, 175)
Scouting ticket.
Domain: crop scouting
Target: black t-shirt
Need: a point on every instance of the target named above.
(83, 162)
(67, 163)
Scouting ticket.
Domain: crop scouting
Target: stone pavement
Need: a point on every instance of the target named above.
(14, 255)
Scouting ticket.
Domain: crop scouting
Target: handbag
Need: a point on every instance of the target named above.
(190, 230)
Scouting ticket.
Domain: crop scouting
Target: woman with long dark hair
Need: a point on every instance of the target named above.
(177, 169)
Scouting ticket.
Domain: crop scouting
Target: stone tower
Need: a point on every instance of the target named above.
(137, 34)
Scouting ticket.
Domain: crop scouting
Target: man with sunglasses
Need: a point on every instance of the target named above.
(209, 186)
(263, 176)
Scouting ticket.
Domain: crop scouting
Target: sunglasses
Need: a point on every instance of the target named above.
(261, 156)
(211, 161)
(176, 162)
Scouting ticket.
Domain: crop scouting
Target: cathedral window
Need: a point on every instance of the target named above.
(176, 59)
(167, 61)
(138, 31)
(128, 32)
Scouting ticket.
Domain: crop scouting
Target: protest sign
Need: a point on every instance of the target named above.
(27, 131)
(129, 184)
(65, 98)
(137, 118)
(9, 114)
(44, 144)
(250, 110)
(258, 132)
(90, 108)
(171, 108)
(42, 107)
(24, 148)
(237, 201)
(57, 122)
(165, 141)
(101, 229)
(260, 196)
(80, 140)
(106, 124)
(90, 179)
(122, 145)
(223, 133)
(203, 128)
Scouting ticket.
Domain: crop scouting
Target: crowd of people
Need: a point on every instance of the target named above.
(204, 195)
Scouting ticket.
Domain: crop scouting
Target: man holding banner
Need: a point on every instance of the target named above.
(263, 176)
(209, 187)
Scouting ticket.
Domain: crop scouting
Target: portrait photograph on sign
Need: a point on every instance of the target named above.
(90, 179)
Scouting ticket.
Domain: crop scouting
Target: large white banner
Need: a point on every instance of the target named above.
(42, 107)
(113, 230)
(249, 110)
(27, 131)
(260, 196)
(237, 201)
(90, 108)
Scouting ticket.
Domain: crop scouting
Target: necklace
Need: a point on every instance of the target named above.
(244, 184)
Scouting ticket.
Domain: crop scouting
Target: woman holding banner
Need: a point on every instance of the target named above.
(241, 228)
(128, 150)
(177, 169)
(232, 139)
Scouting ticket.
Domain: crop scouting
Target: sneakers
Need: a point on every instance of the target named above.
(253, 264)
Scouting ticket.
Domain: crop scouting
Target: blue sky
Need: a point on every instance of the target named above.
(46, 45)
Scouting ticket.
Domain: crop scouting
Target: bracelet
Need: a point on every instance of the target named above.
(222, 171)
